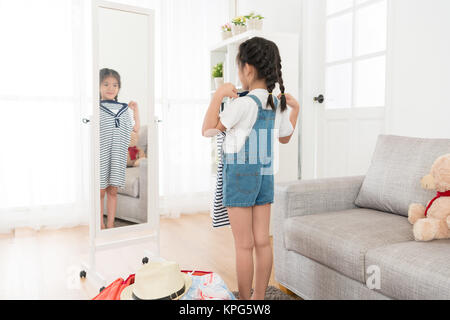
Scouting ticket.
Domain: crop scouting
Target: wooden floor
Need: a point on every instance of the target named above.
(46, 264)
(201, 247)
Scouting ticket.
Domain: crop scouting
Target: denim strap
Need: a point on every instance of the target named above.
(256, 99)
(258, 102)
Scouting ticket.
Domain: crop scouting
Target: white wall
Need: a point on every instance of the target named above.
(281, 16)
(420, 83)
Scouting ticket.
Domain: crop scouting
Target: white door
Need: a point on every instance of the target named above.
(344, 91)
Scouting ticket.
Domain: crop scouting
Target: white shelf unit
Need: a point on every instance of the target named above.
(288, 44)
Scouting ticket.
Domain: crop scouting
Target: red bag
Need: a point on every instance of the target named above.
(113, 291)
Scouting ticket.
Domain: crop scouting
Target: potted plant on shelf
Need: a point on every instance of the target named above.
(226, 31)
(217, 73)
(255, 21)
(238, 25)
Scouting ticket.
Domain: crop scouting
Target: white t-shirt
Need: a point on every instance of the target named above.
(239, 117)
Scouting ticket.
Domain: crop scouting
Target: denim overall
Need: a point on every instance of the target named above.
(248, 174)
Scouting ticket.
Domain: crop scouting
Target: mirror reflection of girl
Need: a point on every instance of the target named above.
(117, 120)
(248, 185)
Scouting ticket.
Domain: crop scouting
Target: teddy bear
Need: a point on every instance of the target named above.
(135, 154)
(433, 222)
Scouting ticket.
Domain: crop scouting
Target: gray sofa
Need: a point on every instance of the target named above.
(349, 238)
(132, 200)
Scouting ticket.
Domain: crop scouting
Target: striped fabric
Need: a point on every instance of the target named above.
(115, 134)
(220, 213)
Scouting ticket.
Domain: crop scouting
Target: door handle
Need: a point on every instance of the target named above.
(319, 99)
(85, 120)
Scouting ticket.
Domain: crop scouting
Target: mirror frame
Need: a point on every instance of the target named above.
(153, 213)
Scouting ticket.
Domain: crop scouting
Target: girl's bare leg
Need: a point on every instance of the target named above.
(241, 225)
(112, 205)
(102, 205)
(263, 250)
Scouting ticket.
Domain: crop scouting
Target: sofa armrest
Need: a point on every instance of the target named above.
(306, 197)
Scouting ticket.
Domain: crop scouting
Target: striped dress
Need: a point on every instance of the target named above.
(220, 213)
(115, 133)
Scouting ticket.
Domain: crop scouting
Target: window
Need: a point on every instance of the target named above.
(356, 39)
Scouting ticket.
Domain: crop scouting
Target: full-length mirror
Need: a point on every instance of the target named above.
(125, 112)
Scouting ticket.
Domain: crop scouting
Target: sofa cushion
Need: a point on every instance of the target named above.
(131, 182)
(413, 270)
(398, 164)
(340, 239)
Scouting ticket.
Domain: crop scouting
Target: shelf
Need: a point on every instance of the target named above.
(222, 46)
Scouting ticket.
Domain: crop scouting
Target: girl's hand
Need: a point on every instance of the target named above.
(133, 105)
(227, 90)
(290, 101)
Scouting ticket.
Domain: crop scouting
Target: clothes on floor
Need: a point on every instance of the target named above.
(116, 124)
(205, 286)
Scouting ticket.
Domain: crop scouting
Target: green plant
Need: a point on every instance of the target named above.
(252, 15)
(239, 21)
(217, 71)
(249, 16)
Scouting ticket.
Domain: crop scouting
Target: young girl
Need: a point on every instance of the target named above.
(250, 123)
(117, 120)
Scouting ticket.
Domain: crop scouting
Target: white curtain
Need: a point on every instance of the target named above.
(43, 177)
(188, 29)
(185, 29)
(45, 91)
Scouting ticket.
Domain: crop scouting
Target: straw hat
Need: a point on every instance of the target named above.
(158, 281)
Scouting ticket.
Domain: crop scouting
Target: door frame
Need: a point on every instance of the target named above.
(309, 110)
